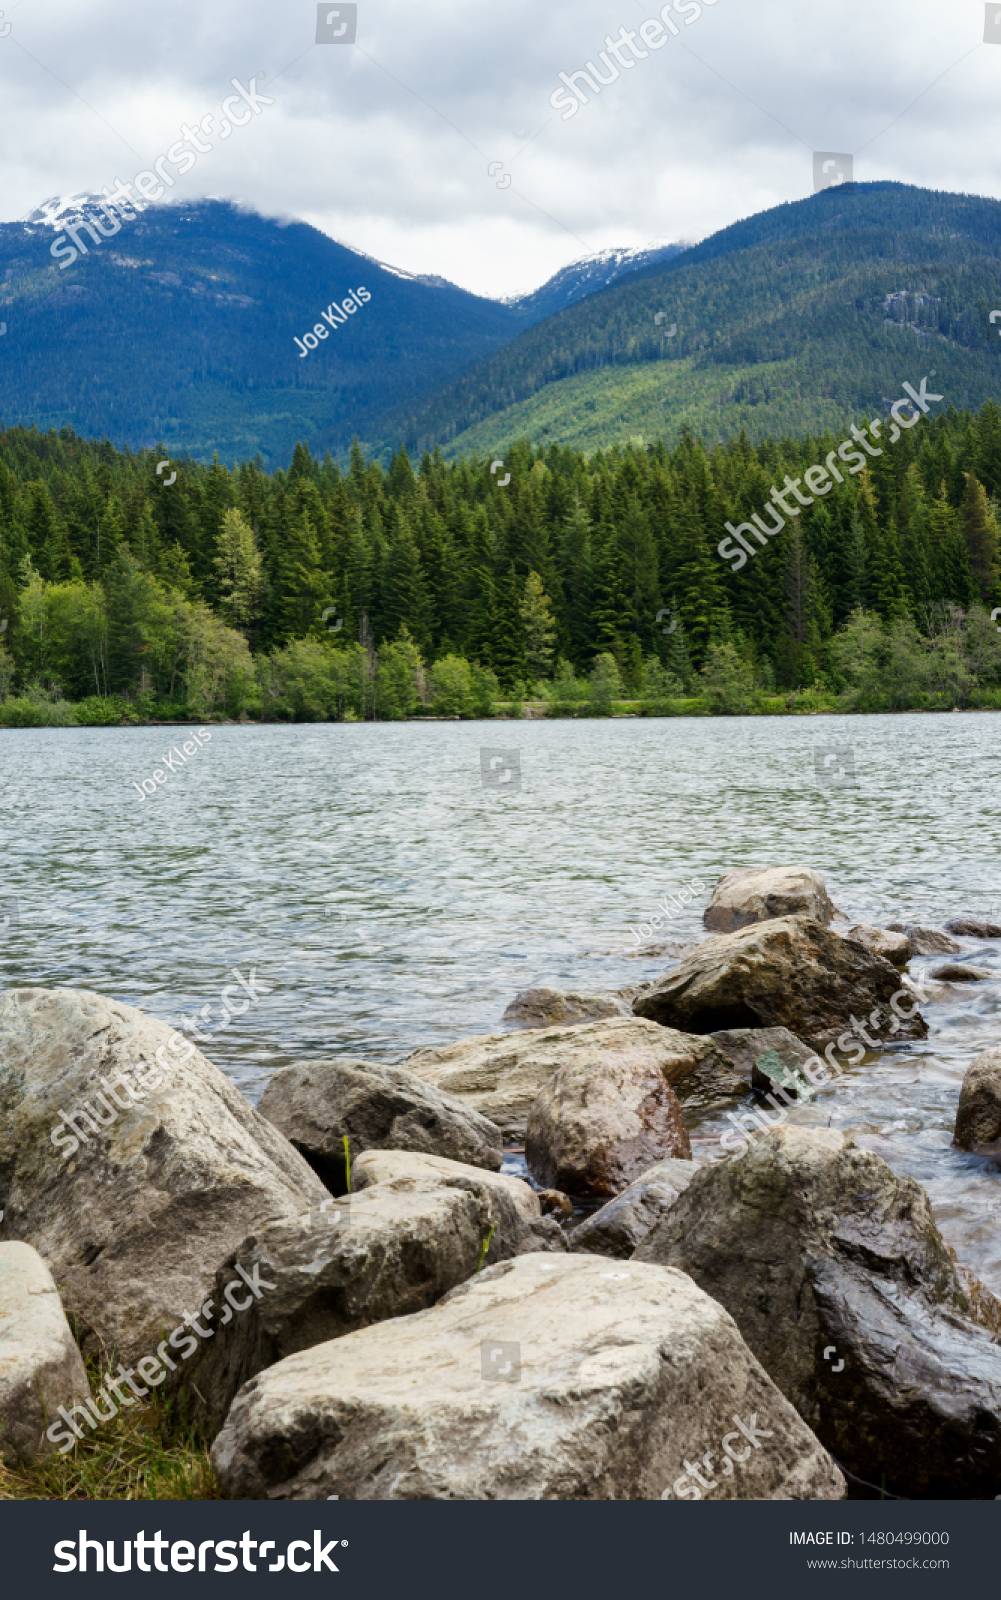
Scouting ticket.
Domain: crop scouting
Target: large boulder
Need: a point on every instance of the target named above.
(788, 972)
(544, 1378)
(978, 1119)
(760, 894)
(319, 1104)
(594, 1127)
(823, 1256)
(548, 1008)
(130, 1163)
(412, 1228)
(40, 1365)
(500, 1075)
(926, 941)
(619, 1226)
(973, 928)
(886, 942)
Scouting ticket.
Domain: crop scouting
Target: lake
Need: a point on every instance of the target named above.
(387, 899)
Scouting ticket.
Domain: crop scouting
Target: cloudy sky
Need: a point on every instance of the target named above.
(386, 144)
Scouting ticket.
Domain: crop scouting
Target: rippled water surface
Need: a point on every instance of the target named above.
(388, 900)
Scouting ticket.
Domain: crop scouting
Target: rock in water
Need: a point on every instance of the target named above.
(926, 941)
(822, 1255)
(171, 1170)
(744, 1047)
(886, 942)
(40, 1365)
(547, 1008)
(789, 972)
(500, 1074)
(544, 1378)
(316, 1104)
(957, 972)
(763, 893)
(978, 1120)
(973, 928)
(620, 1225)
(595, 1126)
(412, 1228)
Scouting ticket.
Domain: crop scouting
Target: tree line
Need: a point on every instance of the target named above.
(366, 591)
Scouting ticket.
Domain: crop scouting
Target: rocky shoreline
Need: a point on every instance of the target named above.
(350, 1298)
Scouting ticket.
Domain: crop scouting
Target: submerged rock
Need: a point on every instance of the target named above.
(762, 893)
(889, 943)
(619, 1226)
(957, 972)
(594, 1127)
(413, 1228)
(40, 1365)
(978, 1119)
(788, 972)
(926, 941)
(317, 1104)
(824, 1256)
(544, 1378)
(167, 1168)
(973, 928)
(547, 1008)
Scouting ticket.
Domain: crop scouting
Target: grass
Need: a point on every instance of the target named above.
(145, 1453)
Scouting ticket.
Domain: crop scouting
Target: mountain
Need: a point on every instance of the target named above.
(788, 322)
(182, 329)
(586, 277)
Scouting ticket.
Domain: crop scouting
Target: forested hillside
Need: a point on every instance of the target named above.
(791, 321)
(321, 593)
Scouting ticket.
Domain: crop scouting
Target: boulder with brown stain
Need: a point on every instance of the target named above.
(500, 1075)
(789, 972)
(597, 1125)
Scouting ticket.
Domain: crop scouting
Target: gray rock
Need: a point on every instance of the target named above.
(172, 1172)
(413, 1228)
(608, 1378)
(973, 928)
(40, 1365)
(788, 972)
(926, 941)
(500, 1075)
(889, 943)
(821, 1254)
(762, 893)
(619, 1226)
(596, 1126)
(978, 1119)
(317, 1104)
(547, 1008)
(957, 972)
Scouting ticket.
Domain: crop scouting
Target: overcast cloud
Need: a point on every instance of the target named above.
(385, 145)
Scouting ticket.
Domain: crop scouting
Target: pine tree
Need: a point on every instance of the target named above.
(980, 534)
(241, 574)
(539, 626)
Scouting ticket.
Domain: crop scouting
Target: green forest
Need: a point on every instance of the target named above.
(585, 585)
